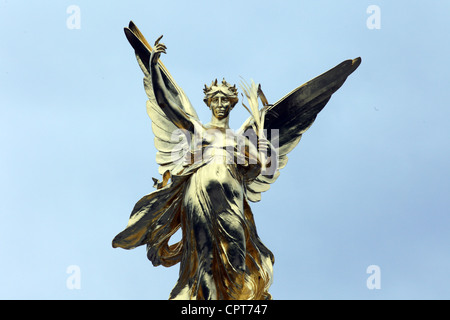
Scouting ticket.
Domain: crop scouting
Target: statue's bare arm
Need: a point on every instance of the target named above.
(162, 94)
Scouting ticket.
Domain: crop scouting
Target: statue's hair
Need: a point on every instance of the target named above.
(225, 88)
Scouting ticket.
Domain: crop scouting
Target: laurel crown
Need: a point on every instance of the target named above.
(224, 87)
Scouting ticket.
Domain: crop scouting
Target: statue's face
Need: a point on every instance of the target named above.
(220, 106)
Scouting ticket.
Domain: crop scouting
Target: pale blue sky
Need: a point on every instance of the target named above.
(368, 184)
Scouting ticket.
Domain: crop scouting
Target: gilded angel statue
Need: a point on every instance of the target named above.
(210, 174)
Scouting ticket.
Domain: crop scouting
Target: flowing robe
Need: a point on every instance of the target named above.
(220, 252)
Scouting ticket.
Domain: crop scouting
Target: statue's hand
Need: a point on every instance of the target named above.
(157, 50)
(263, 144)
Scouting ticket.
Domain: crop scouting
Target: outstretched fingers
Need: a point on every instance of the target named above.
(159, 47)
(157, 40)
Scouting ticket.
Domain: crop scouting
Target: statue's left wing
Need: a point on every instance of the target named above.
(292, 116)
(171, 142)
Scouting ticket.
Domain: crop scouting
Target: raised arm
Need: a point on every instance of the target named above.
(162, 94)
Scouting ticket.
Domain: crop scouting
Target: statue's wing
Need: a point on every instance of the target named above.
(143, 50)
(171, 142)
(293, 115)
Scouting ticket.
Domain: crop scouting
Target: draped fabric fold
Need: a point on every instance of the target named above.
(220, 252)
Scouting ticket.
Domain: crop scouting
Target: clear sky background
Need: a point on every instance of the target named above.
(369, 184)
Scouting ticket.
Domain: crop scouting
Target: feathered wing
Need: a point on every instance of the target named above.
(293, 115)
(172, 144)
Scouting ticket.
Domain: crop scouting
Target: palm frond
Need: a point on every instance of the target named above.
(251, 92)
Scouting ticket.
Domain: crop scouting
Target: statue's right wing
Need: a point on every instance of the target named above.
(143, 50)
(171, 142)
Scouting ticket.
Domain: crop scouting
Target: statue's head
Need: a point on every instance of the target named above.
(220, 98)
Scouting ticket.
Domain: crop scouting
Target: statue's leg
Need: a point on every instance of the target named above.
(204, 244)
(233, 236)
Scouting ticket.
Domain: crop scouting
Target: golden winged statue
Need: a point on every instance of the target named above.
(210, 174)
